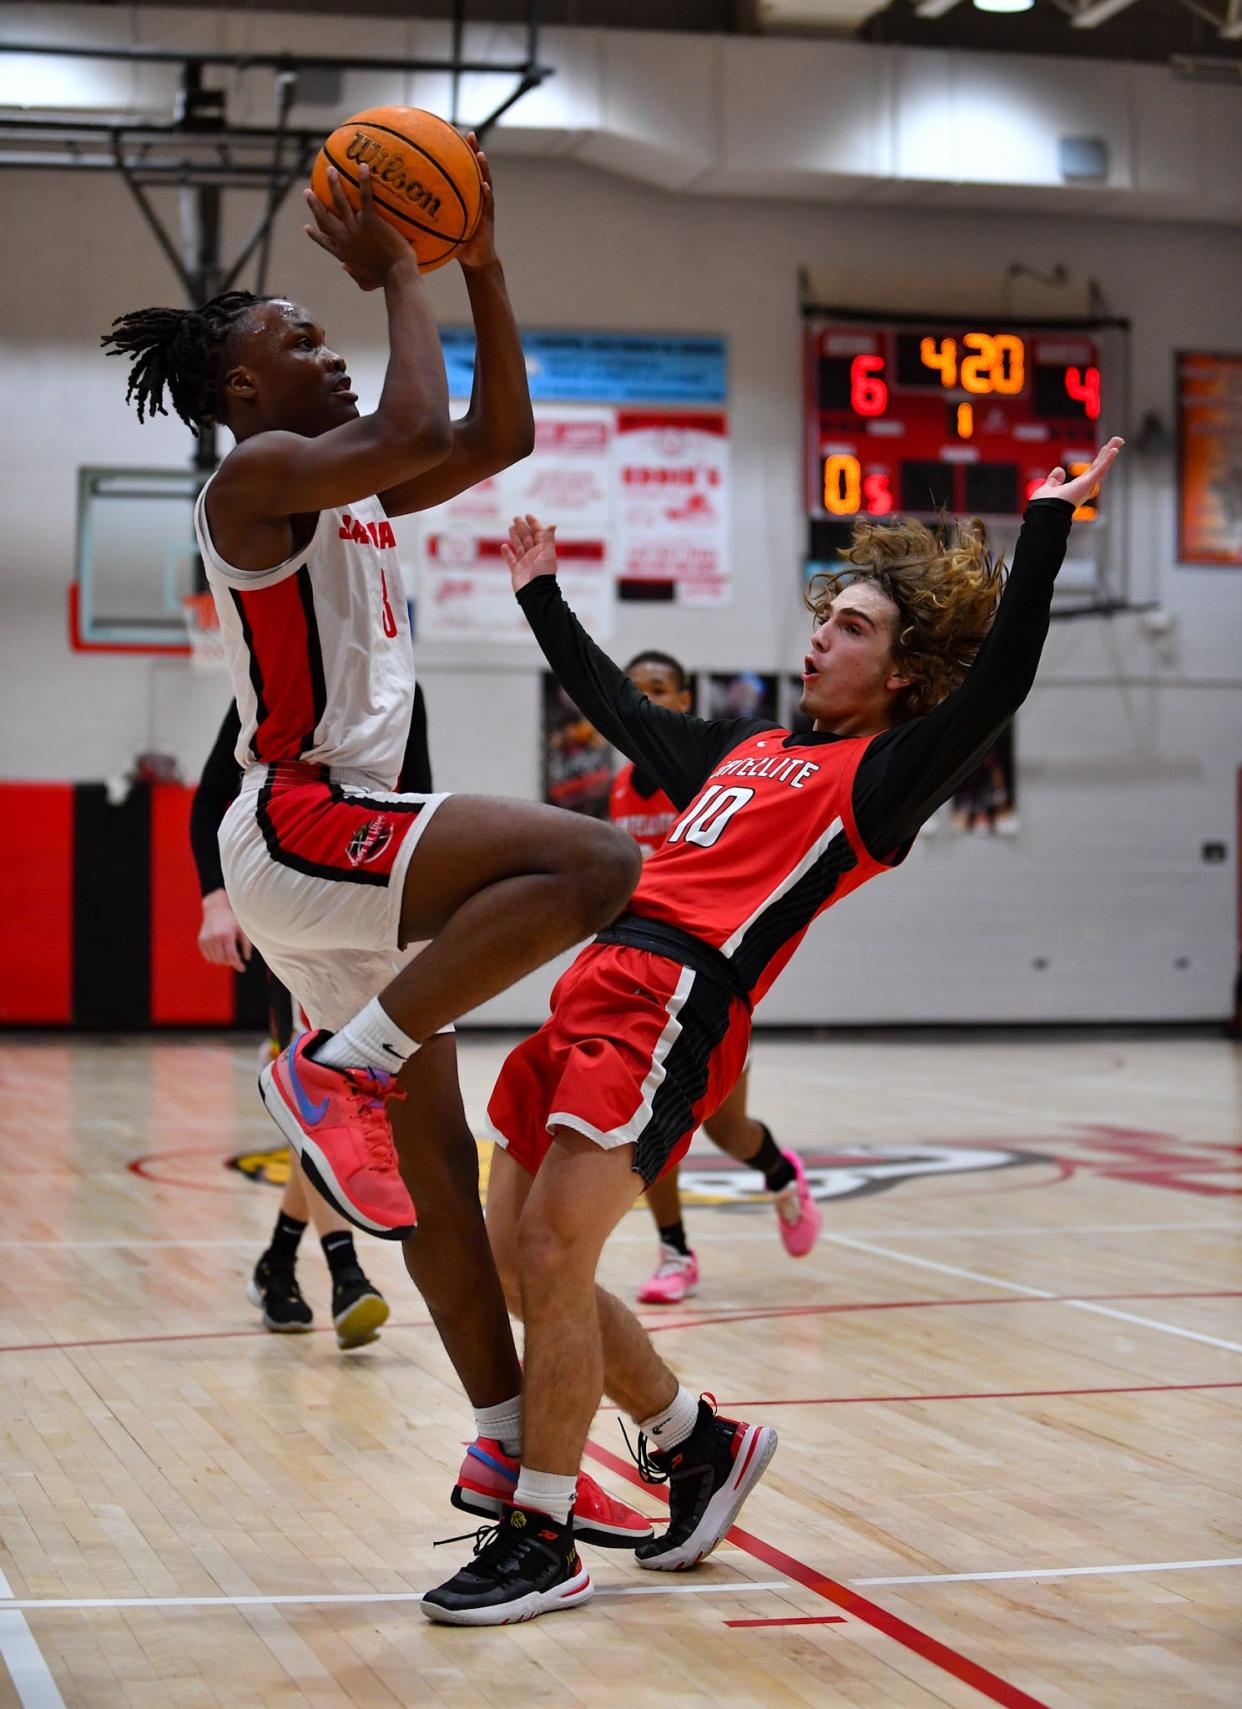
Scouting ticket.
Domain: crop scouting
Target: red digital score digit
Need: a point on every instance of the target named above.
(868, 393)
(877, 495)
(1083, 385)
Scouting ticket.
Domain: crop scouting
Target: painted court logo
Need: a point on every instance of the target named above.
(853, 1173)
(369, 842)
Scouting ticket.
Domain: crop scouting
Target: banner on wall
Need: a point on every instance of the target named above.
(464, 589)
(1209, 455)
(636, 481)
(672, 475)
(577, 760)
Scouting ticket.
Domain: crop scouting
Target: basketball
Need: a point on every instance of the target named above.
(424, 176)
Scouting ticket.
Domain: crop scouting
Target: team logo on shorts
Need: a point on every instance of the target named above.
(369, 842)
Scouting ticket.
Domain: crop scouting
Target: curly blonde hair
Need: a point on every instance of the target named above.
(945, 586)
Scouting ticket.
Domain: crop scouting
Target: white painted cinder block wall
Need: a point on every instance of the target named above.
(1129, 746)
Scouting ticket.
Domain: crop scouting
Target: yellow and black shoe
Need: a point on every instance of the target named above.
(358, 1308)
(525, 1566)
(274, 1288)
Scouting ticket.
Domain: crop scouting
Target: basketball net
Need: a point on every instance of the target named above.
(202, 625)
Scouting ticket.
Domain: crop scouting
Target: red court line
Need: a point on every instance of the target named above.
(186, 1335)
(704, 1320)
(861, 1607)
(795, 1620)
(983, 1394)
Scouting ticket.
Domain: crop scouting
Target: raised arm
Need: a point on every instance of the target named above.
(274, 475)
(679, 751)
(914, 768)
(499, 427)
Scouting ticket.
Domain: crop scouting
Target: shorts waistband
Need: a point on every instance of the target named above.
(294, 774)
(658, 937)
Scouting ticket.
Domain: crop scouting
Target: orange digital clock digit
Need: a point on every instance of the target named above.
(842, 484)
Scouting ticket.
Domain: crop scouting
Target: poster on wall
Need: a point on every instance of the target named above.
(672, 479)
(464, 587)
(577, 761)
(738, 694)
(987, 803)
(630, 463)
(1209, 458)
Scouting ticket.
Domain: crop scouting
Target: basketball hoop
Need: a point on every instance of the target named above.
(202, 624)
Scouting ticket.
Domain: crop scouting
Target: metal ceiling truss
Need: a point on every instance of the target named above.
(1090, 14)
(200, 153)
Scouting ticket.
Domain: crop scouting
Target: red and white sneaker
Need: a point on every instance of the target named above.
(797, 1214)
(675, 1278)
(336, 1119)
(488, 1478)
(709, 1476)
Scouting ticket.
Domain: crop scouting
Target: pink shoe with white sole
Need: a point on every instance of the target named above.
(797, 1213)
(675, 1278)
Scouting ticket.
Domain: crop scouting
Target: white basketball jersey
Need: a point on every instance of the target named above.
(319, 646)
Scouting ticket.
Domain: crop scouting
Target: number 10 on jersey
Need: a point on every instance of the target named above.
(704, 824)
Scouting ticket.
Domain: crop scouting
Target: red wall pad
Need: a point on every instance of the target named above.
(36, 878)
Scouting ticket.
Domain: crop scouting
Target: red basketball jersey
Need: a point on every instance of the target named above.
(647, 818)
(768, 843)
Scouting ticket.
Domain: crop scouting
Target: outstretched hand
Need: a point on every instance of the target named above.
(479, 249)
(530, 551)
(366, 246)
(1083, 486)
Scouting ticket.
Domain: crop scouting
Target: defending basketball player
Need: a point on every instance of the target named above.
(638, 805)
(916, 661)
(329, 872)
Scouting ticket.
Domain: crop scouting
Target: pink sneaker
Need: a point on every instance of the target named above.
(488, 1478)
(796, 1211)
(676, 1277)
(336, 1121)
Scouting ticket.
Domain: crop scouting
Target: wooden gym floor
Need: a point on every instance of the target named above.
(1007, 1383)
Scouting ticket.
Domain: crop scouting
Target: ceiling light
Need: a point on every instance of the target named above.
(1003, 5)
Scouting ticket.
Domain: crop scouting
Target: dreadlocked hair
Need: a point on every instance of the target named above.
(945, 586)
(179, 351)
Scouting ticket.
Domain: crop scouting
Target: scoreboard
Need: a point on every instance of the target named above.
(950, 415)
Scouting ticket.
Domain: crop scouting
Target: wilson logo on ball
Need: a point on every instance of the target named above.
(389, 168)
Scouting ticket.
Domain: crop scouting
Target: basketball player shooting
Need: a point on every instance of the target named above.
(328, 870)
(916, 662)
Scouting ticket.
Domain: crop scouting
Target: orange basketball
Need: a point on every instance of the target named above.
(424, 177)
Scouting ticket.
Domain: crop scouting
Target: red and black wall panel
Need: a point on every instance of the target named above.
(103, 909)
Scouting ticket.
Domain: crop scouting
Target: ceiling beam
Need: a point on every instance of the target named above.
(935, 8)
(1091, 13)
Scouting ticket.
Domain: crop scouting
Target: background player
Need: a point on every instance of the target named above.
(913, 668)
(359, 1309)
(329, 873)
(640, 807)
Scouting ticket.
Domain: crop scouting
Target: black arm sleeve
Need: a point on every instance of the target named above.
(416, 766)
(912, 769)
(677, 750)
(217, 788)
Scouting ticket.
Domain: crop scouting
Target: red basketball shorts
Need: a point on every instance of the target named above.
(638, 1050)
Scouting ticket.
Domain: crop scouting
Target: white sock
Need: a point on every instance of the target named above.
(668, 1428)
(502, 1423)
(547, 1493)
(371, 1040)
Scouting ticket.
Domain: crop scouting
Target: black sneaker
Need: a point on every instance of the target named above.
(709, 1476)
(358, 1308)
(525, 1566)
(275, 1289)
